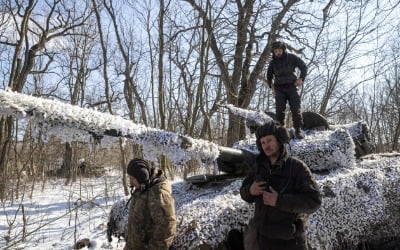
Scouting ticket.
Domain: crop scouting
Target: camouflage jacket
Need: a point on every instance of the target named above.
(151, 221)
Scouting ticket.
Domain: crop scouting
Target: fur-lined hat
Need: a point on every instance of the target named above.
(272, 128)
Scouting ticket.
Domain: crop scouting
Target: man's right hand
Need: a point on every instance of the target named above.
(257, 188)
(273, 89)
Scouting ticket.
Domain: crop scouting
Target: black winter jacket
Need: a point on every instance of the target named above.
(298, 195)
(283, 69)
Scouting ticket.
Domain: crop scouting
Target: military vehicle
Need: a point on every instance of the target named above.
(360, 189)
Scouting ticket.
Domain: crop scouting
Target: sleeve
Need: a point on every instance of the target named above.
(270, 74)
(306, 198)
(245, 188)
(162, 212)
(302, 66)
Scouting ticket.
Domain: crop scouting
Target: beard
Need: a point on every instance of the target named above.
(272, 153)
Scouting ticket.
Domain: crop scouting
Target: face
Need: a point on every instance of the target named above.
(134, 182)
(270, 146)
(278, 52)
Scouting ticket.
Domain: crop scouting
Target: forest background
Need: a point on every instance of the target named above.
(173, 64)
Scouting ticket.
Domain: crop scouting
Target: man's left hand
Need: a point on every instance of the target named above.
(271, 197)
(298, 82)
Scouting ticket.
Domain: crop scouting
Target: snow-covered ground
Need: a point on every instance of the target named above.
(60, 215)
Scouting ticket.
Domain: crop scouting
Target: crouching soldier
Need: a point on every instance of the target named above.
(151, 221)
(284, 192)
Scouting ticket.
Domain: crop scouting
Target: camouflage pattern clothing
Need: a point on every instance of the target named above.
(151, 221)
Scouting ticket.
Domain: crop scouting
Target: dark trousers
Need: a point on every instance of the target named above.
(288, 93)
(294, 244)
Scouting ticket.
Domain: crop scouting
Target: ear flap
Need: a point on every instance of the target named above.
(284, 46)
(283, 134)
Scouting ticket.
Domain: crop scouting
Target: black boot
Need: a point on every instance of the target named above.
(298, 134)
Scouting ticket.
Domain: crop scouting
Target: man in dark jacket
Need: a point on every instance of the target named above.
(284, 192)
(284, 79)
(151, 221)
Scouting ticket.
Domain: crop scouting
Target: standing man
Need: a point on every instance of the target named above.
(151, 221)
(284, 81)
(283, 190)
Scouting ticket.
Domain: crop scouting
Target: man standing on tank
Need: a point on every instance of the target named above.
(283, 79)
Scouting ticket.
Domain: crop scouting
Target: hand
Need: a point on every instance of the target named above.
(273, 89)
(298, 82)
(257, 188)
(271, 197)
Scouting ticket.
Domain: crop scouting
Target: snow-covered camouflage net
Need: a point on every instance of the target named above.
(359, 204)
(355, 129)
(118, 219)
(206, 220)
(73, 123)
(251, 115)
(320, 150)
(360, 198)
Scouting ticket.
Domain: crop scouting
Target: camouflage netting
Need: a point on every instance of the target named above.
(360, 204)
(360, 197)
(73, 123)
(118, 219)
(206, 220)
(320, 150)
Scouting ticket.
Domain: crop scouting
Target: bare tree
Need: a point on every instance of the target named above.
(76, 69)
(349, 29)
(129, 67)
(104, 49)
(32, 35)
(237, 72)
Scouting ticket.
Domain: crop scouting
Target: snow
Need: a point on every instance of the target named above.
(251, 115)
(355, 195)
(73, 123)
(60, 215)
(354, 202)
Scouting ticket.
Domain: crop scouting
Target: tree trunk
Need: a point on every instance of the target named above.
(66, 169)
(6, 125)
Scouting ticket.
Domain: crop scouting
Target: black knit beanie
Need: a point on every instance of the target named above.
(278, 45)
(139, 169)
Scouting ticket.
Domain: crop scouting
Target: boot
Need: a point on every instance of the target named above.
(298, 134)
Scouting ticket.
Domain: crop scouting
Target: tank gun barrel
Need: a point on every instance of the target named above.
(235, 161)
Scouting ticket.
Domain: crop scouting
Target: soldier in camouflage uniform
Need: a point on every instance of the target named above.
(151, 221)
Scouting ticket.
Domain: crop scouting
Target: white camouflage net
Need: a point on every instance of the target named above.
(359, 204)
(73, 123)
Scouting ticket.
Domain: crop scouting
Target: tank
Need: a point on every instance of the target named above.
(360, 189)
